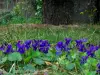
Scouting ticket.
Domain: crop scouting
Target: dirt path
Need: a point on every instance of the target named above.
(4, 28)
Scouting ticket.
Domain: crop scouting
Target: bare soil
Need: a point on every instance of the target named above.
(4, 28)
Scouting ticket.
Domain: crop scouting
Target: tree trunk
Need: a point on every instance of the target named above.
(57, 11)
(97, 15)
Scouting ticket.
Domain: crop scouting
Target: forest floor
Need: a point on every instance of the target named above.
(86, 30)
(52, 33)
(4, 27)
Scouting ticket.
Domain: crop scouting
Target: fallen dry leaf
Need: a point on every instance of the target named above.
(48, 63)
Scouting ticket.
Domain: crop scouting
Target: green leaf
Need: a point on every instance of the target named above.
(9, 74)
(69, 57)
(91, 73)
(36, 53)
(2, 60)
(46, 58)
(74, 55)
(29, 67)
(38, 61)
(15, 56)
(86, 66)
(97, 53)
(62, 60)
(92, 61)
(27, 59)
(49, 54)
(1, 53)
(54, 67)
(70, 66)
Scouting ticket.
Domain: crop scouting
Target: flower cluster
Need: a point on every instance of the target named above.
(80, 46)
(41, 45)
(6, 48)
(63, 46)
(44, 46)
(89, 50)
(98, 68)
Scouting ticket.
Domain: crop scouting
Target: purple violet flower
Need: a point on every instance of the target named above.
(83, 59)
(67, 41)
(28, 44)
(2, 47)
(44, 46)
(59, 46)
(91, 50)
(82, 48)
(35, 44)
(98, 65)
(9, 49)
(20, 47)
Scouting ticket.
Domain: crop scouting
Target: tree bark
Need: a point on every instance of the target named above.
(97, 15)
(57, 11)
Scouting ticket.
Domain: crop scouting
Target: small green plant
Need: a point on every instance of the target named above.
(90, 13)
(61, 59)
